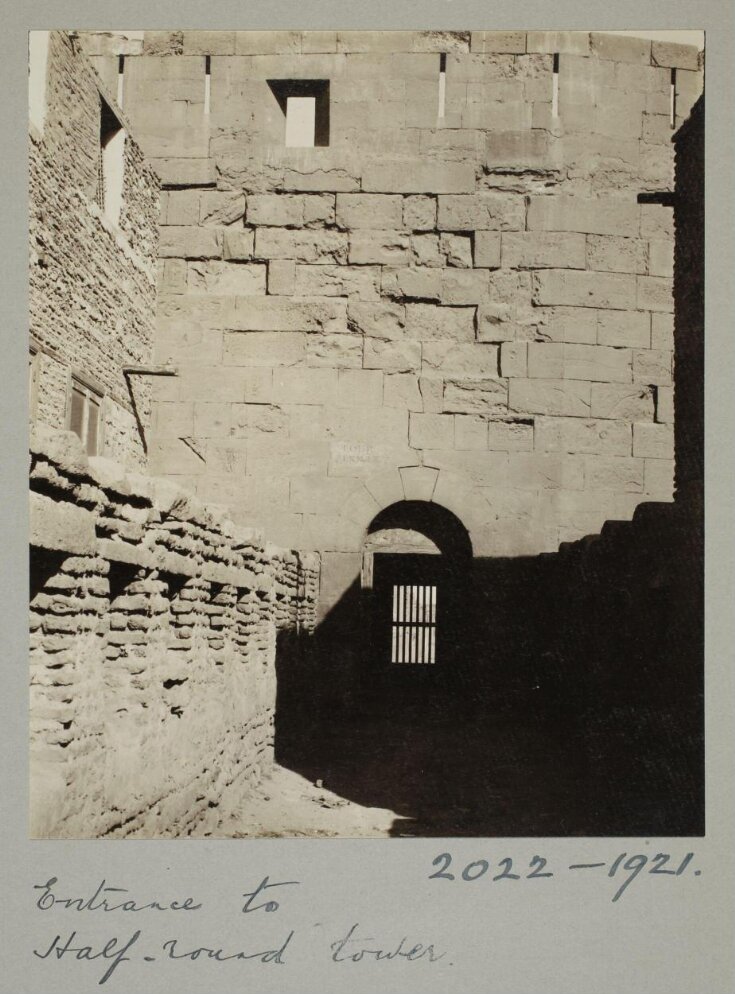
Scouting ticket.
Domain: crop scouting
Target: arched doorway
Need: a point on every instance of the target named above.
(416, 560)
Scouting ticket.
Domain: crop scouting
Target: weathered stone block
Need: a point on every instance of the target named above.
(450, 358)
(673, 55)
(425, 322)
(338, 351)
(497, 116)
(613, 291)
(556, 397)
(538, 250)
(402, 390)
(570, 324)
(212, 420)
(652, 366)
(185, 172)
(267, 42)
(655, 293)
(494, 323)
(381, 321)
(358, 210)
(238, 245)
(658, 478)
(61, 525)
(470, 432)
(592, 215)
(510, 436)
(209, 42)
(302, 245)
(514, 359)
(476, 396)
(421, 283)
(653, 441)
(226, 278)
(316, 42)
(661, 259)
(417, 176)
(219, 207)
(425, 250)
(419, 213)
(618, 474)
(481, 211)
(610, 253)
(358, 282)
(190, 243)
(275, 210)
(517, 151)
(656, 221)
(431, 431)
(621, 48)
(282, 277)
(626, 402)
(464, 286)
(305, 386)
(321, 179)
(665, 405)
(264, 348)
(487, 249)
(579, 362)
(180, 207)
(662, 331)
(629, 329)
(396, 357)
(498, 41)
(656, 129)
(562, 42)
(545, 471)
(389, 248)
(456, 249)
(360, 388)
(279, 314)
(583, 436)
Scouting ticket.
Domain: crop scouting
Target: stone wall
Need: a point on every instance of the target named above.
(153, 632)
(471, 308)
(92, 282)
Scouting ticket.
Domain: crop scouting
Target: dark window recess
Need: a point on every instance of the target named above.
(84, 416)
(305, 107)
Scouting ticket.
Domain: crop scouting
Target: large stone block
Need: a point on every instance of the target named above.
(451, 359)
(497, 116)
(655, 293)
(610, 253)
(627, 329)
(569, 324)
(282, 278)
(482, 211)
(419, 213)
(596, 437)
(190, 243)
(422, 283)
(652, 366)
(61, 525)
(540, 250)
(623, 401)
(226, 278)
(431, 431)
(557, 471)
(653, 441)
(395, 357)
(658, 478)
(302, 245)
(238, 245)
(174, 172)
(356, 282)
(382, 321)
(464, 286)
(418, 176)
(402, 390)
(662, 331)
(498, 41)
(264, 348)
(514, 359)
(579, 362)
(661, 258)
(487, 249)
(338, 351)
(554, 397)
(558, 42)
(360, 388)
(621, 48)
(388, 248)
(618, 474)
(674, 55)
(425, 322)
(358, 210)
(470, 432)
(606, 215)
(510, 436)
(485, 395)
(305, 386)
(271, 209)
(293, 314)
(612, 291)
(657, 222)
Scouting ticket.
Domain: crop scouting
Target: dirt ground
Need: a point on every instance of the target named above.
(288, 805)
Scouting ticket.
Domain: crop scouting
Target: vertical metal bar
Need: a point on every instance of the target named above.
(393, 624)
(400, 625)
(420, 633)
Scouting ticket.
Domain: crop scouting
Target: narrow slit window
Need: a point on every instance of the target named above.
(120, 80)
(555, 87)
(305, 107)
(207, 82)
(413, 631)
(111, 164)
(84, 415)
(672, 100)
(442, 84)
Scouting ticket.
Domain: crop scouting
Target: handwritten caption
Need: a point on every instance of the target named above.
(349, 944)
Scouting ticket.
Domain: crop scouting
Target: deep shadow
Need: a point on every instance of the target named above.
(570, 704)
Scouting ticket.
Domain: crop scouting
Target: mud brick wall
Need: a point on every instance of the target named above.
(92, 283)
(463, 303)
(153, 632)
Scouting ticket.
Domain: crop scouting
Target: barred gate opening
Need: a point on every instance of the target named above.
(414, 624)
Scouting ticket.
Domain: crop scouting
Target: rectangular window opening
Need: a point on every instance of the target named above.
(120, 80)
(207, 82)
(442, 85)
(111, 163)
(413, 632)
(305, 107)
(555, 87)
(84, 415)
